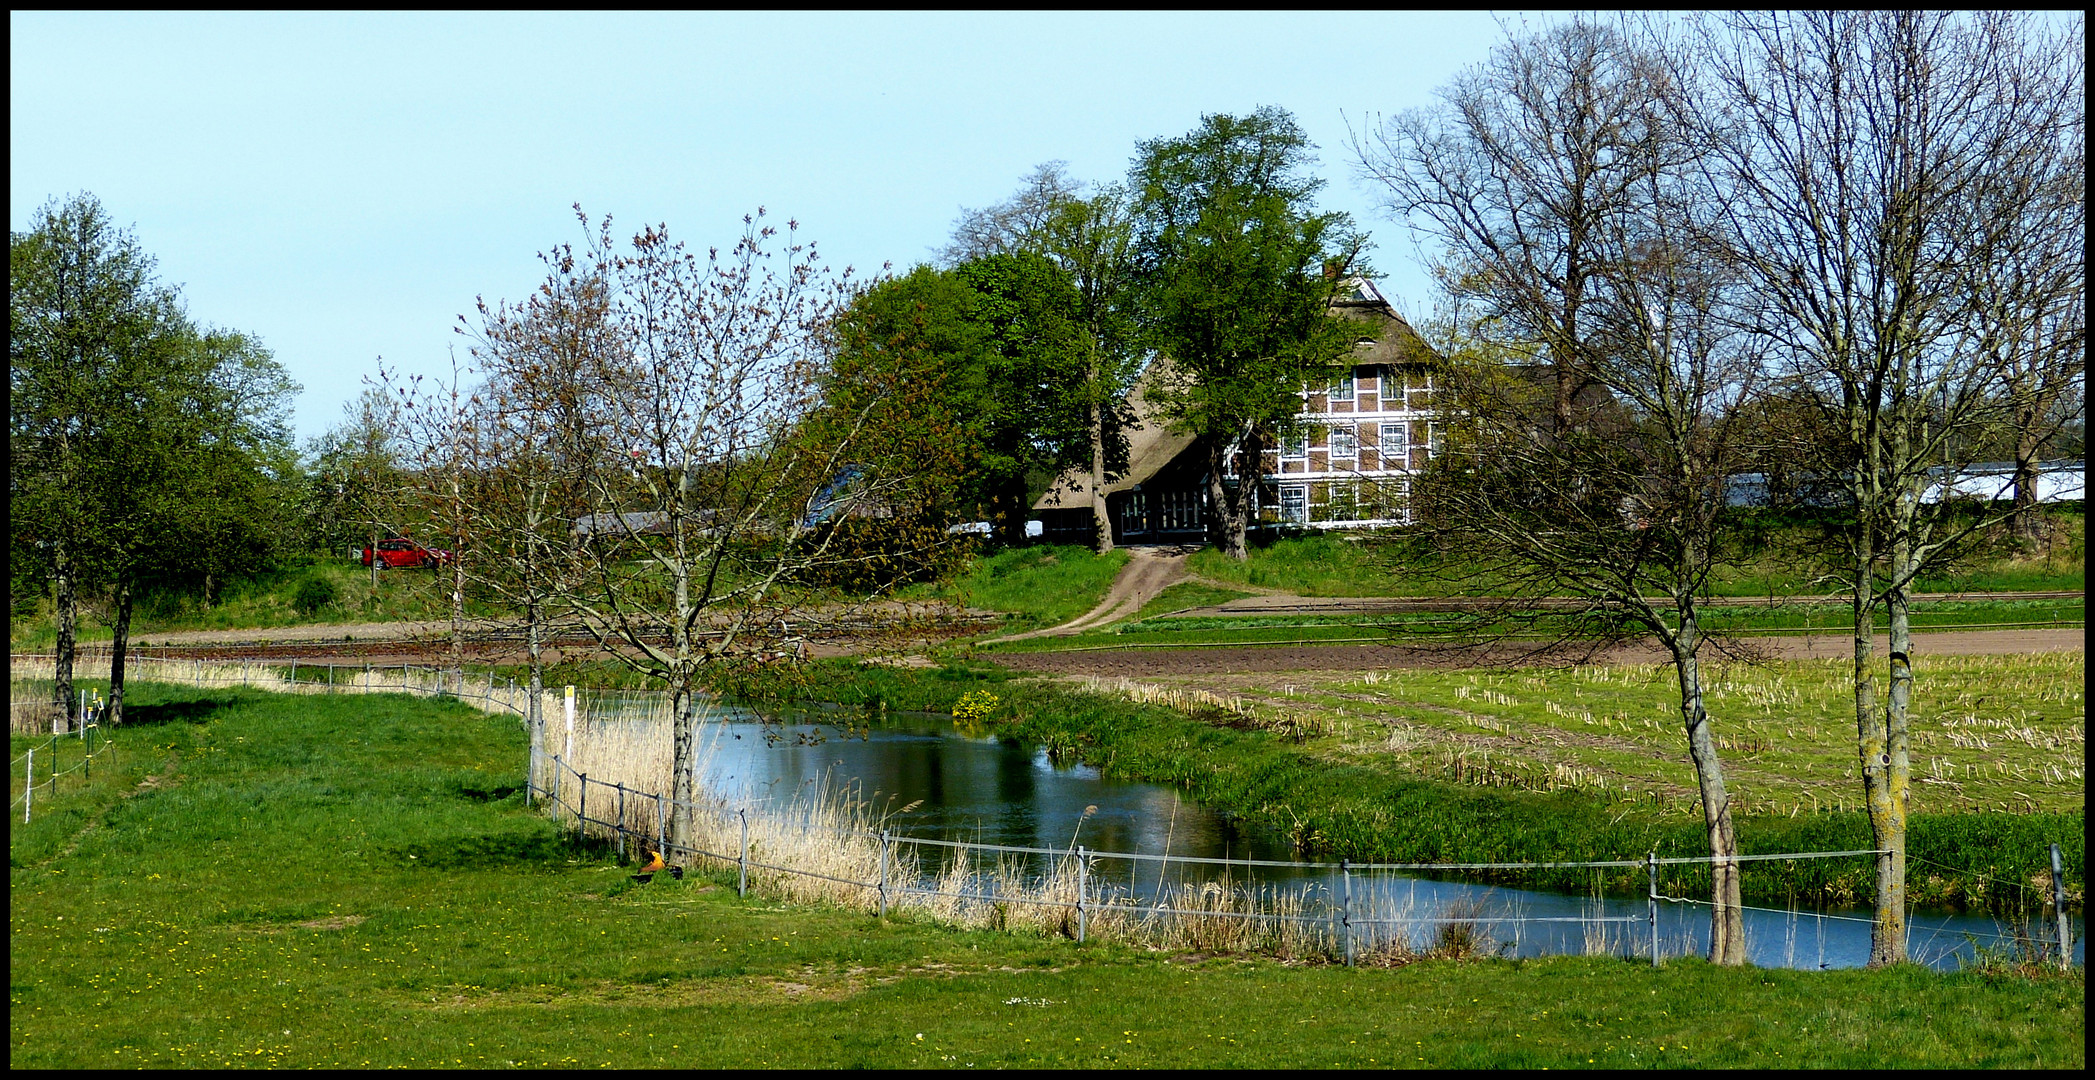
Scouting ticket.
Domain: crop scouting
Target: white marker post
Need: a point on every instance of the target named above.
(569, 756)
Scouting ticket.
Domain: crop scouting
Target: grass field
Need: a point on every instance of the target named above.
(1327, 564)
(325, 882)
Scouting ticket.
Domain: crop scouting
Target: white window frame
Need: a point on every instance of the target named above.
(1398, 451)
(1294, 503)
(1342, 388)
(1352, 439)
(1295, 447)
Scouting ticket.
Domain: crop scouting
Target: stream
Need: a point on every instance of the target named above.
(928, 777)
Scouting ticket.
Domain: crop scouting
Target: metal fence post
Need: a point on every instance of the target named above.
(661, 833)
(883, 873)
(742, 881)
(621, 821)
(28, 785)
(582, 808)
(1082, 876)
(1345, 911)
(1651, 866)
(2058, 901)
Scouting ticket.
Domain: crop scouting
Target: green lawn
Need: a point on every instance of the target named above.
(349, 881)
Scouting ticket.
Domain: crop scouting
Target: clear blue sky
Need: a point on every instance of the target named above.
(343, 186)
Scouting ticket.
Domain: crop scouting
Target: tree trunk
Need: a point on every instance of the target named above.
(117, 647)
(1225, 515)
(1727, 932)
(683, 787)
(1873, 746)
(1101, 526)
(1888, 933)
(1010, 504)
(534, 715)
(68, 617)
(2028, 521)
(458, 617)
(373, 549)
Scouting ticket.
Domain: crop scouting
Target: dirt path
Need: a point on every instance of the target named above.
(1240, 659)
(1150, 570)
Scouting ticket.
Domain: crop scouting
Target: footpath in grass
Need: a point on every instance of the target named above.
(344, 881)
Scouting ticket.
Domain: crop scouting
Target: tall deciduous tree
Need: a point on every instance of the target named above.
(1236, 273)
(1089, 238)
(1558, 178)
(1883, 177)
(140, 446)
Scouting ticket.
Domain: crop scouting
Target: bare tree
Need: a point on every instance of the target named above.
(545, 429)
(1869, 166)
(1557, 178)
(1517, 173)
(718, 496)
(1017, 223)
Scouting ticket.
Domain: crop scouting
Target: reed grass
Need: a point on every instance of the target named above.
(823, 845)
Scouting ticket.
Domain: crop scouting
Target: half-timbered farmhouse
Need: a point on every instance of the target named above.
(1366, 434)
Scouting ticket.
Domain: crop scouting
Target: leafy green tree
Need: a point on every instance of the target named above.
(82, 305)
(1236, 274)
(143, 448)
(996, 344)
(1090, 240)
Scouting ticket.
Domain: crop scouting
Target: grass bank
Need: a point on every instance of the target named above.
(320, 882)
(1308, 778)
(1387, 564)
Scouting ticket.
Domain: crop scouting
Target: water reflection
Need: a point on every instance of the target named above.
(924, 777)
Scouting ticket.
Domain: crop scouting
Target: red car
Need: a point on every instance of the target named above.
(400, 551)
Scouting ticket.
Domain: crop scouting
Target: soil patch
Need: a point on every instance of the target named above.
(1238, 659)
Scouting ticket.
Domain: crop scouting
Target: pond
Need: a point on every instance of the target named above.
(928, 777)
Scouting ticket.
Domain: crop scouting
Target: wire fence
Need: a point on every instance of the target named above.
(82, 739)
(823, 849)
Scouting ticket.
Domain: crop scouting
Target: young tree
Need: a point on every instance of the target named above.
(716, 494)
(545, 432)
(1876, 170)
(1236, 274)
(1557, 178)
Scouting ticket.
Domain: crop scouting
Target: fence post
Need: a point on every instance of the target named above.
(571, 721)
(28, 785)
(883, 873)
(582, 808)
(1651, 866)
(742, 881)
(1345, 911)
(621, 821)
(2058, 902)
(294, 674)
(1082, 861)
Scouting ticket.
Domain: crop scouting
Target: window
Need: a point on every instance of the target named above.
(1343, 504)
(1343, 444)
(1295, 447)
(1394, 442)
(1178, 510)
(1294, 503)
(1433, 440)
(1342, 390)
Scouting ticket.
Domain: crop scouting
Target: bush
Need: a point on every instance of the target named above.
(314, 593)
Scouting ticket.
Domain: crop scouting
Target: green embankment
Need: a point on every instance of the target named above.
(1775, 564)
(1331, 804)
(353, 881)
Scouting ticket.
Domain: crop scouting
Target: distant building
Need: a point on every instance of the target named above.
(1368, 432)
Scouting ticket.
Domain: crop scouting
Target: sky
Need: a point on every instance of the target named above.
(344, 186)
